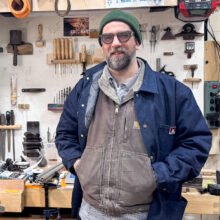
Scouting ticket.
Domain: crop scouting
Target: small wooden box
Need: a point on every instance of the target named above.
(12, 195)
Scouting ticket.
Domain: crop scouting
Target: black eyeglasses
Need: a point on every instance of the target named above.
(123, 37)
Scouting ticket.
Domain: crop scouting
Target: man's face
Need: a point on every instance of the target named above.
(119, 54)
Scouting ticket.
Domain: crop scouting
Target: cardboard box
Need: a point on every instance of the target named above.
(12, 195)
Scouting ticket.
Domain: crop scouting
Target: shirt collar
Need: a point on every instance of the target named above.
(126, 85)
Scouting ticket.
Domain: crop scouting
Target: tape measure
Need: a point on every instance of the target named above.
(21, 10)
(12, 191)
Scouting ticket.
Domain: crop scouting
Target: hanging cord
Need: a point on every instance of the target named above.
(213, 37)
(217, 45)
(67, 10)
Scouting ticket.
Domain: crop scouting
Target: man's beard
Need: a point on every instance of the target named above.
(121, 62)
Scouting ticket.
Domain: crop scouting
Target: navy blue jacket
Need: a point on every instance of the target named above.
(176, 137)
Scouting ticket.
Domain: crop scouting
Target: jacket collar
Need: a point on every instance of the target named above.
(94, 69)
(149, 81)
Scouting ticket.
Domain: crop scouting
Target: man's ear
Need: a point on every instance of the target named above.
(137, 44)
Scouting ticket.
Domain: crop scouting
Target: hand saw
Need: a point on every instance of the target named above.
(8, 119)
(2, 137)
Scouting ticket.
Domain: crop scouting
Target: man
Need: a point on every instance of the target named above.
(131, 135)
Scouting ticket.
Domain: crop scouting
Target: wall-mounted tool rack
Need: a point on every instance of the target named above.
(23, 49)
(13, 127)
(63, 53)
(59, 99)
(192, 68)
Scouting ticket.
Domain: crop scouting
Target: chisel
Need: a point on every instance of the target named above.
(58, 54)
(62, 49)
(70, 48)
(83, 57)
(55, 53)
(71, 53)
(66, 49)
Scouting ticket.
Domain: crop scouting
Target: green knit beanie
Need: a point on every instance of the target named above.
(119, 15)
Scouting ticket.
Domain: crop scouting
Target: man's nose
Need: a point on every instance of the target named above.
(116, 41)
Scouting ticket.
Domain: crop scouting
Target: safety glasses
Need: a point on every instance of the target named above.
(123, 37)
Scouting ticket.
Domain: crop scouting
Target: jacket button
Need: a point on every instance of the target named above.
(164, 189)
(82, 105)
(82, 135)
(144, 126)
(87, 78)
(151, 157)
(137, 95)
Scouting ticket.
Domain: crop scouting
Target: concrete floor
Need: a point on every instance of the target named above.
(37, 214)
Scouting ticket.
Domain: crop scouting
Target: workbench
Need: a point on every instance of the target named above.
(61, 198)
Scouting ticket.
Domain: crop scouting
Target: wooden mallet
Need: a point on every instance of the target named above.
(40, 42)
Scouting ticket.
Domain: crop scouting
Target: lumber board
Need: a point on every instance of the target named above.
(211, 62)
(58, 198)
(197, 203)
(202, 203)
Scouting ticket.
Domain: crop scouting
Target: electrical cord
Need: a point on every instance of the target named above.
(214, 38)
(217, 45)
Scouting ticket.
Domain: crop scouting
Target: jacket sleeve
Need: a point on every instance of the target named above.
(67, 142)
(191, 145)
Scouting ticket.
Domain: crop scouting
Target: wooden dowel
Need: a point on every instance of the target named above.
(14, 127)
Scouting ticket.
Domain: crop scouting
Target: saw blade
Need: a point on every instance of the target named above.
(2, 137)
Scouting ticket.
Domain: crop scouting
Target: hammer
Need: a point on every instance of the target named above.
(192, 68)
(40, 42)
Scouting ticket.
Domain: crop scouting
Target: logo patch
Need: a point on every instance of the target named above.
(172, 131)
(136, 125)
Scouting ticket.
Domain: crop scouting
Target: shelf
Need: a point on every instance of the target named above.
(192, 80)
(70, 61)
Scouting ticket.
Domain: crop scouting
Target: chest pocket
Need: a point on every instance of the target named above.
(166, 136)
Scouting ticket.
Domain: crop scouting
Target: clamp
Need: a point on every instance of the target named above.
(47, 211)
